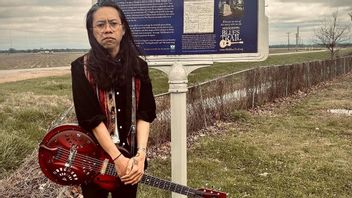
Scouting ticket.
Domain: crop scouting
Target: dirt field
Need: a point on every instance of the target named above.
(24, 74)
(37, 60)
(22, 66)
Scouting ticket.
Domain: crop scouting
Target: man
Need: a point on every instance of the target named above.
(111, 87)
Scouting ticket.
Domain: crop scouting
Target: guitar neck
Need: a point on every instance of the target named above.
(170, 186)
(162, 184)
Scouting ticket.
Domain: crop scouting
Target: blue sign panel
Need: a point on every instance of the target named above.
(193, 27)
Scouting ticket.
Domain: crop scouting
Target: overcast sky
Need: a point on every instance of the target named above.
(286, 15)
(29, 24)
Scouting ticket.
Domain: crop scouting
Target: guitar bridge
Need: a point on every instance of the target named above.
(71, 156)
(104, 166)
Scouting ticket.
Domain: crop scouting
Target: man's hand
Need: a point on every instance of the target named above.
(120, 165)
(135, 169)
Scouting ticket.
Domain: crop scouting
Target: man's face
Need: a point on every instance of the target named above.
(108, 29)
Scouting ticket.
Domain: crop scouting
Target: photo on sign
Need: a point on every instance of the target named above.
(230, 9)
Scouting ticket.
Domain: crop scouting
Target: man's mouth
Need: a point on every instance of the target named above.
(108, 38)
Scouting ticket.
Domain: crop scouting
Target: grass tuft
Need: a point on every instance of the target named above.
(14, 149)
(240, 115)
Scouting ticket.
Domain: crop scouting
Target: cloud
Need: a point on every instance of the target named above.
(327, 3)
(43, 23)
(34, 3)
(286, 15)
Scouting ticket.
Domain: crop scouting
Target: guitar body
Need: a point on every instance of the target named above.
(224, 43)
(54, 152)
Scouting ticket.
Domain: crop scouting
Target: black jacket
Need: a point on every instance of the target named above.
(87, 107)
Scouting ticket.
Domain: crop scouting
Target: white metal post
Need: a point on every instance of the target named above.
(178, 89)
(178, 79)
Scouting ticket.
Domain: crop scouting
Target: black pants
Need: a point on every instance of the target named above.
(92, 190)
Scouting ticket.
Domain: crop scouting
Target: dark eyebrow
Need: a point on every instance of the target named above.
(109, 20)
(113, 20)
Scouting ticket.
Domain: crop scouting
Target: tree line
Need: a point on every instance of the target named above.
(41, 50)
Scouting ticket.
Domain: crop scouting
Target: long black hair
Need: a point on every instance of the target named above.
(109, 72)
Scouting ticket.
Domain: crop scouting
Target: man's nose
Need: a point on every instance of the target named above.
(107, 28)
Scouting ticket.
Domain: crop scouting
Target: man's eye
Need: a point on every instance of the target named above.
(100, 25)
(114, 24)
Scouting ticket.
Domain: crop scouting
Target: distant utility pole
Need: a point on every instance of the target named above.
(10, 39)
(297, 38)
(288, 41)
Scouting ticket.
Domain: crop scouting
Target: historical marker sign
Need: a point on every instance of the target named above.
(198, 30)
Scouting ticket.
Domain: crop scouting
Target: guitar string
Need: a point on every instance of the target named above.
(79, 162)
(83, 162)
(94, 168)
(169, 185)
(81, 156)
(79, 159)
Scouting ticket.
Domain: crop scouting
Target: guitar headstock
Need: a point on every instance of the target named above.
(208, 193)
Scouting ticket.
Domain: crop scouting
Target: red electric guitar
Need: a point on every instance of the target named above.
(68, 155)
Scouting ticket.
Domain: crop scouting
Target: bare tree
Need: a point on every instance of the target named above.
(331, 34)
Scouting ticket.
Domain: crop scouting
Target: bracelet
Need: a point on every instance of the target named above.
(143, 149)
(116, 157)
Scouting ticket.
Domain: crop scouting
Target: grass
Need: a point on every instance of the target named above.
(296, 150)
(26, 110)
(60, 86)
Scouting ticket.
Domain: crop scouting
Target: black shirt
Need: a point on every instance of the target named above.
(88, 111)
